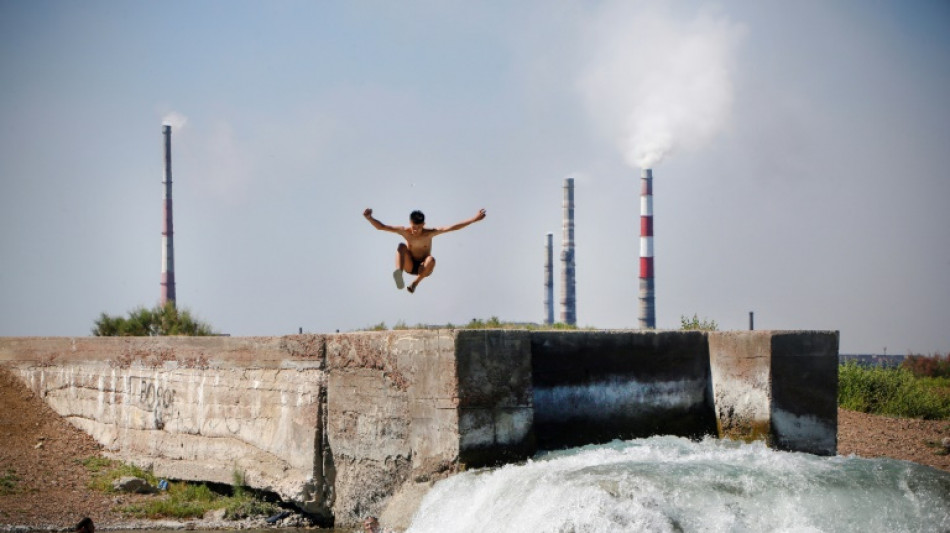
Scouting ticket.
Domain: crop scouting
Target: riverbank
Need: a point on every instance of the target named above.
(43, 484)
(906, 439)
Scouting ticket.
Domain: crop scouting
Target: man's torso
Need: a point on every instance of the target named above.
(420, 246)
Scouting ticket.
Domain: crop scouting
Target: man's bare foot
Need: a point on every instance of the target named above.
(411, 288)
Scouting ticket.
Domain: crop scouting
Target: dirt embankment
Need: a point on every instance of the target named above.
(41, 456)
(42, 479)
(898, 438)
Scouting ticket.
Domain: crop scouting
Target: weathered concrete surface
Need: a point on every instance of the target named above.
(392, 408)
(191, 408)
(740, 370)
(408, 407)
(781, 386)
(805, 392)
(496, 414)
(596, 386)
(344, 425)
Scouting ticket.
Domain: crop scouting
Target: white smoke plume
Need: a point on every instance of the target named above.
(656, 81)
(174, 119)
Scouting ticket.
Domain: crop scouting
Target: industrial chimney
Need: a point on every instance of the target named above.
(168, 248)
(568, 304)
(647, 304)
(549, 280)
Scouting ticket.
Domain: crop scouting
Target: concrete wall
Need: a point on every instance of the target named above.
(782, 387)
(194, 408)
(392, 414)
(344, 424)
(596, 386)
(415, 406)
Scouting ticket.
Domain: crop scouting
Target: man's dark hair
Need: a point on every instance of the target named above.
(417, 217)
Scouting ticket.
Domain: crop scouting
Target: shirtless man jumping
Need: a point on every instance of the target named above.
(415, 255)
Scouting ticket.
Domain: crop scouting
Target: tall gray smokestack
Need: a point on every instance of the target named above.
(549, 280)
(168, 243)
(568, 303)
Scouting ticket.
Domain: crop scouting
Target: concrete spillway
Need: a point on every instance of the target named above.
(344, 424)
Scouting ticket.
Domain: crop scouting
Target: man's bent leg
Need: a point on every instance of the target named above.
(403, 262)
(403, 257)
(424, 271)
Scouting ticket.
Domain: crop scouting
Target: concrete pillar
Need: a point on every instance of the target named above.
(781, 386)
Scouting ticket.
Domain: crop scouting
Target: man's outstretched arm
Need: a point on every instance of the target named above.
(460, 225)
(368, 215)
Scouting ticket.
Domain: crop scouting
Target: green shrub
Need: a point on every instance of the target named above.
(491, 323)
(935, 366)
(97, 464)
(189, 500)
(941, 385)
(243, 503)
(183, 500)
(894, 392)
(695, 324)
(247, 506)
(8, 483)
(160, 320)
(477, 323)
(106, 471)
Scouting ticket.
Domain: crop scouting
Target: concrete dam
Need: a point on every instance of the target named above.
(346, 425)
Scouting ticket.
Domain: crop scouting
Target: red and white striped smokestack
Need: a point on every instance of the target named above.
(168, 246)
(647, 303)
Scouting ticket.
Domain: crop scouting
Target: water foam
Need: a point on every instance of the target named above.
(674, 484)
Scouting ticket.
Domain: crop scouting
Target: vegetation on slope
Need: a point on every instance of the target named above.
(181, 500)
(917, 389)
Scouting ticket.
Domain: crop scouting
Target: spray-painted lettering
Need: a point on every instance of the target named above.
(151, 395)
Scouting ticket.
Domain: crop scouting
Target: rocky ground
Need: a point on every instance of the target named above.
(907, 439)
(43, 483)
(42, 479)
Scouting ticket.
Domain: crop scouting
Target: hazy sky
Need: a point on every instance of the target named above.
(801, 155)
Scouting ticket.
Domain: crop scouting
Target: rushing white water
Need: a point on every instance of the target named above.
(674, 484)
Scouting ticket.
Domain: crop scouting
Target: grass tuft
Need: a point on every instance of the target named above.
(190, 500)
(182, 500)
(106, 471)
(477, 323)
(8, 483)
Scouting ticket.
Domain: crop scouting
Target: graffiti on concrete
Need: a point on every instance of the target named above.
(151, 395)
